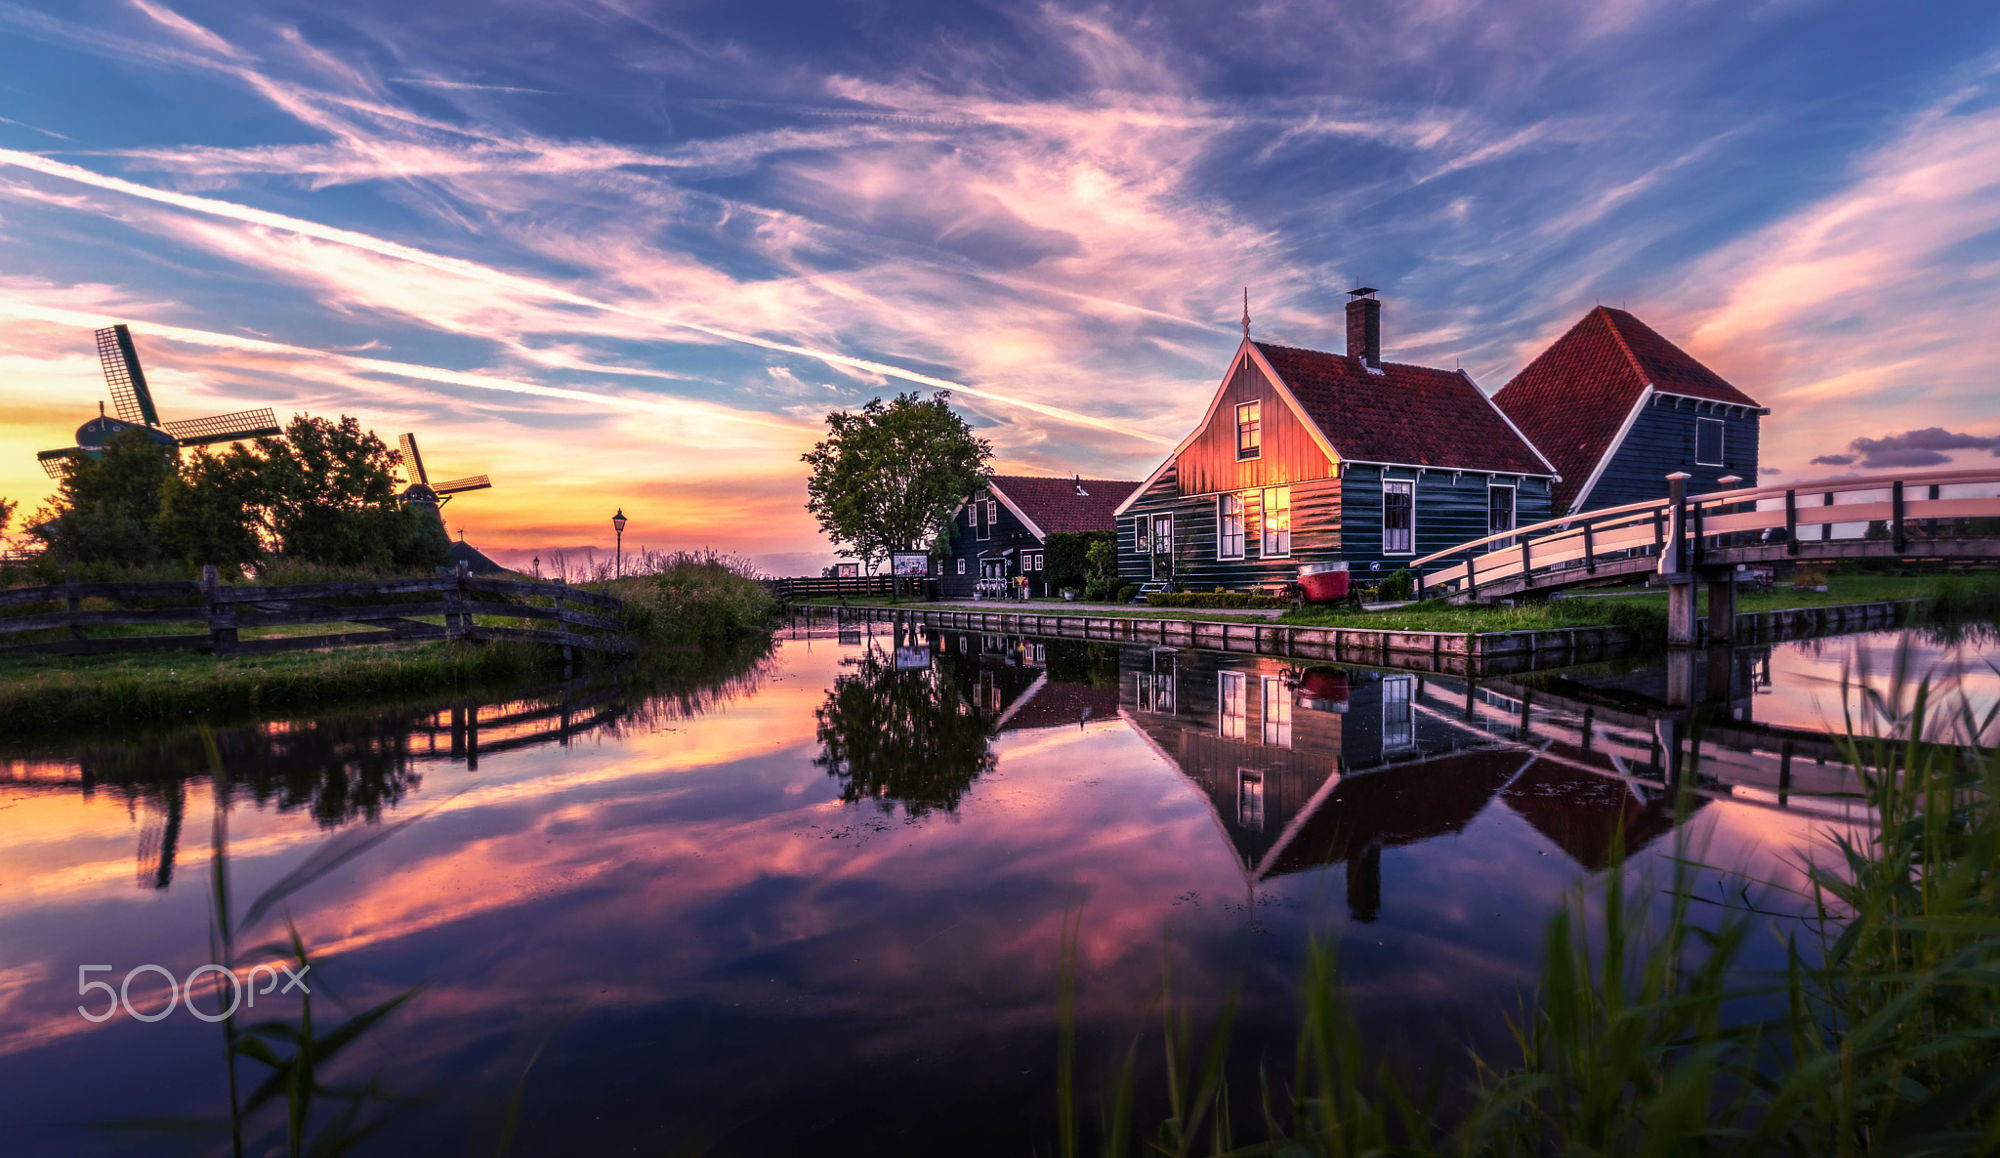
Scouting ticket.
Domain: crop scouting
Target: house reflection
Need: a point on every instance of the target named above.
(1309, 767)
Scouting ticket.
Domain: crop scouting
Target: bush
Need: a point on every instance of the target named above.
(1214, 599)
(1066, 560)
(689, 598)
(1128, 593)
(1100, 588)
(1396, 588)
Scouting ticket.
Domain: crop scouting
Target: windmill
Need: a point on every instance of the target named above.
(133, 403)
(421, 491)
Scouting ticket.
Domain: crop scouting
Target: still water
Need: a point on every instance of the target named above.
(816, 903)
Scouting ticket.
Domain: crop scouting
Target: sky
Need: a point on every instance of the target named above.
(618, 254)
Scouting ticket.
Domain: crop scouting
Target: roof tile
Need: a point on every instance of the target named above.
(1055, 505)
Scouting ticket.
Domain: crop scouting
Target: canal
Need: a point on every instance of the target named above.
(816, 902)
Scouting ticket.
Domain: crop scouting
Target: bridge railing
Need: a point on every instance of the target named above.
(1620, 540)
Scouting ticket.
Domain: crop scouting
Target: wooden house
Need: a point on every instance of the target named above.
(1002, 531)
(1307, 457)
(1616, 407)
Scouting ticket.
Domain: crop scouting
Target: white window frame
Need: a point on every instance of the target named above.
(1277, 706)
(1721, 442)
(984, 526)
(1153, 555)
(1222, 538)
(1250, 804)
(1255, 421)
(1399, 486)
(961, 565)
(1513, 511)
(1232, 687)
(1264, 547)
(1406, 726)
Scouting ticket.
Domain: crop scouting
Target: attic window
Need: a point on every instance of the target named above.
(1249, 430)
(1708, 442)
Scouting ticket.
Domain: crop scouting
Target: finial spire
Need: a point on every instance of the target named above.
(1246, 313)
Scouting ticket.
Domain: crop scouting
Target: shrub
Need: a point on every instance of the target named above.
(1214, 599)
(1067, 561)
(1397, 587)
(1128, 593)
(690, 597)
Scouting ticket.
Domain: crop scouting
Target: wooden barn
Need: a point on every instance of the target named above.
(1002, 531)
(1616, 407)
(1308, 457)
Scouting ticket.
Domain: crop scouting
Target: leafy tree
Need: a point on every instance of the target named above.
(1101, 580)
(6, 516)
(210, 512)
(1067, 560)
(104, 507)
(325, 489)
(903, 736)
(886, 478)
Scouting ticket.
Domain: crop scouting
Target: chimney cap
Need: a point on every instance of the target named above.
(1361, 291)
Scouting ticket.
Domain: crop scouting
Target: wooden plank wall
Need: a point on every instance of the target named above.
(1289, 454)
(1662, 441)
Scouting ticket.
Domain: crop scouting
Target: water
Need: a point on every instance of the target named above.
(816, 905)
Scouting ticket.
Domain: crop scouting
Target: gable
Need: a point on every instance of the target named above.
(1290, 450)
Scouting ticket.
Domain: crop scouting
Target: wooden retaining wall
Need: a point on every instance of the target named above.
(1445, 652)
(397, 610)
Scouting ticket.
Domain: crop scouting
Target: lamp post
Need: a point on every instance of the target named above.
(618, 526)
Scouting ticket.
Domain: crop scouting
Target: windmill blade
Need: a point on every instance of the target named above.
(129, 396)
(244, 424)
(477, 482)
(413, 463)
(57, 462)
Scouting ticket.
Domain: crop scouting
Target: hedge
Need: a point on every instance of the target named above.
(1214, 599)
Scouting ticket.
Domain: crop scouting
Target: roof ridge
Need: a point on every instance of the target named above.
(1618, 336)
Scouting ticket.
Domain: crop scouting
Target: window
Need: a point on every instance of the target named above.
(1163, 545)
(1277, 712)
(1250, 799)
(1499, 512)
(961, 566)
(1229, 526)
(1399, 517)
(1708, 442)
(1249, 430)
(1142, 534)
(1234, 714)
(985, 519)
(1399, 716)
(1277, 522)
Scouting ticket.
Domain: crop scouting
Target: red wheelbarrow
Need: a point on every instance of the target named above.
(1324, 583)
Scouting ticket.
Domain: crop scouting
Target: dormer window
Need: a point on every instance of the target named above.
(1249, 430)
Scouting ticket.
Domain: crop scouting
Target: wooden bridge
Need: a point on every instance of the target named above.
(1684, 539)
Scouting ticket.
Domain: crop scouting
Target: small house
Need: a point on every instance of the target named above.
(1616, 407)
(1001, 531)
(1311, 457)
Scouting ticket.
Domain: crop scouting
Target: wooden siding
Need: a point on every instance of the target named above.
(1451, 509)
(1289, 454)
(1662, 441)
(1007, 531)
(1316, 535)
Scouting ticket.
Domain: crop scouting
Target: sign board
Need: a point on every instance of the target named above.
(912, 658)
(847, 570)
(909, 564)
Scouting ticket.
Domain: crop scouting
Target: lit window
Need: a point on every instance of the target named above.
(1229, 527)
(1277, 521)
(1277, 712)
(1399, 717)
(1249, 430)
(1250, 799)
(1235, 714)
(1708, 442)
(1399, 517)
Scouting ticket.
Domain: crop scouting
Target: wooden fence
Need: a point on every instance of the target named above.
(395, 610)
(792, 590)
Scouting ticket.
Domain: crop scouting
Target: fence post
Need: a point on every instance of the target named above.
(1826, 528)
(454, 602)
(72, 603)
(1791, 522)
(219, 614)
(562, 624)
(1589, 549)
(1896, 516)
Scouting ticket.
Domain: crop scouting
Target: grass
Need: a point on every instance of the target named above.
(1650, 1035)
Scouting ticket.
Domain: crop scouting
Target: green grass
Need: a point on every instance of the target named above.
(40, 693)
(1648, 1032)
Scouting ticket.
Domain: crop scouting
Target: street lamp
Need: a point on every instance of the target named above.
(618, 525)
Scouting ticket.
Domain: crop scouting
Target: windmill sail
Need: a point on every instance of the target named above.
(129, 396)
(413, 463)
(477, 482)
(57, 462)
(244, 424)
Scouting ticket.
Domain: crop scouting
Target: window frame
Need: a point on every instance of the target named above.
(1406, 722)
(1222, 537)
(1254, 424)
(1239, 681)
(983, 520)
(961, 564)
(1513, 511)
(1264, 523)
(1153, 555)
(1721, 441)
(1250, 802)
(1402, 486)
(1276, 703)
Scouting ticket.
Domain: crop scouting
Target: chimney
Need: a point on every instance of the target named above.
(1364, 325)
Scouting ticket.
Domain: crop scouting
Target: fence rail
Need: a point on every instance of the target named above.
(822, 588)
(445, 607)
(1909, 515)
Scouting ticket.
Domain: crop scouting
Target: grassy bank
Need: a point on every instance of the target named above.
(1649, 1033)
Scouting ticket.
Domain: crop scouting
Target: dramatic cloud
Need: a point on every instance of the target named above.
(1927, 447)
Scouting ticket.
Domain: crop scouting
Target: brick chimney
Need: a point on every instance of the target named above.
(1364, 325)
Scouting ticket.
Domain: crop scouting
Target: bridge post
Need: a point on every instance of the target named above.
(1896, 517)
(1721, 607)
(1675, 567)
(1674, 557)
(1681, 630)
(1791, 522)
(1826, 529)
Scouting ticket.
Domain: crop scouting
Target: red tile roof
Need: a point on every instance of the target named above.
(1055, 505)
(1573, 398)
(1412, 415)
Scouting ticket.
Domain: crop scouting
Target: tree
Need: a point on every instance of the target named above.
(1068, 560)
(6, 516)
(104, 507)
(326, 489)
(887, 478)
(908, 737)
(210, 512)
